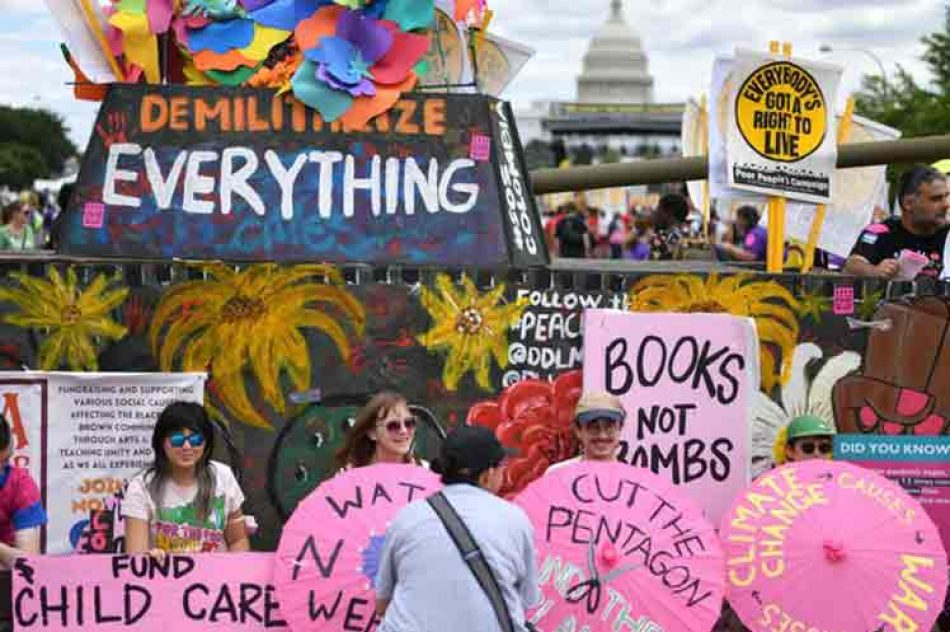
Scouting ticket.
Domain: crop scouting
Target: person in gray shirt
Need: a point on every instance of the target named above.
(423, 584)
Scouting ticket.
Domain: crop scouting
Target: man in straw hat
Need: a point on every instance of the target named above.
(598, 421)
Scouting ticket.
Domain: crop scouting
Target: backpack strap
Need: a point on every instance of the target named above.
(473, 556)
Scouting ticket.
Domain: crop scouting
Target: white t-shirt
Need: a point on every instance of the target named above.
(560, 464)
(174, 527)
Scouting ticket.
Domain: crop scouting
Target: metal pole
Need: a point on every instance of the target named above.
(925, 149)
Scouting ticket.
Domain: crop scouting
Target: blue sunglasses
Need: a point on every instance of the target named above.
(178, 439)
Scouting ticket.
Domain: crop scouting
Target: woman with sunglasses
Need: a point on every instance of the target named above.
(384, 432)
(184, 502)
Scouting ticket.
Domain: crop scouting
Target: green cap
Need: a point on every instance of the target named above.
(943, 166)
(809, 426)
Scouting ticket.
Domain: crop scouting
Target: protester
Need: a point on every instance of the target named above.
(667, 241)
(184, 502)
(573, 238)
(384, 432)
(921, 229)
(617, 235)
(553, 218)
(16, 233)
(751, 239)
(638, 242)
(598, 420)
(21, 508)
(423, 583)
(807, 437)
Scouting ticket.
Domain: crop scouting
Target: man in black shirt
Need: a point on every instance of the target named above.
(922, 228)
(573, 238)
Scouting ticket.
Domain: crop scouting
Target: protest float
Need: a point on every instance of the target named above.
(312, 201)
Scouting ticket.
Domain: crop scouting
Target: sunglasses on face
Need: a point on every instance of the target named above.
(809, 447)
(178, 439)
(395, 425)
(604, 424)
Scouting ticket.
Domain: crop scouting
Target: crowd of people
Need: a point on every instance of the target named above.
(576, 230)
(27, 218)
(187, 503)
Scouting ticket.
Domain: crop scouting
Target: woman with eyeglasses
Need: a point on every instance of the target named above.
(384, 432)
(184, 502)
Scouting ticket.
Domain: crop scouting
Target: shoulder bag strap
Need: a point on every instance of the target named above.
(473, 556)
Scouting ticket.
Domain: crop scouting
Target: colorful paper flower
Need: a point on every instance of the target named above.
(354, 60)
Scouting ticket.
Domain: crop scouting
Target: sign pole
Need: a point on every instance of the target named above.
(774, 260)
(704, 143)
(844, 130)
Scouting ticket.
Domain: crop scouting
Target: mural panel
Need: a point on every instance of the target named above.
(292, 352)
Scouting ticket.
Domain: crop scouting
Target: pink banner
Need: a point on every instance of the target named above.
(227, 591)
(687, 382)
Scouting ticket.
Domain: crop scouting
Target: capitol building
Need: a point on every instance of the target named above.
(613, 116)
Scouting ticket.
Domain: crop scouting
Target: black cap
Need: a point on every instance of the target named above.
(471, 450)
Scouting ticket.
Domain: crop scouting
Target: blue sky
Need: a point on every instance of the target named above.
(680, 36)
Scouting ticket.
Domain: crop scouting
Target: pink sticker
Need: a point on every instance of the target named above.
(480, 148)
(92, 214)
(844, 301)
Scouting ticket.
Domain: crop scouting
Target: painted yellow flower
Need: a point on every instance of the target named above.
(773, 308)
(253, 318)
(471, 326)
(70, 317)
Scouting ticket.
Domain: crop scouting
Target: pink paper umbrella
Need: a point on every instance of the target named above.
(621, 549)
(831, 546)
(329, 549)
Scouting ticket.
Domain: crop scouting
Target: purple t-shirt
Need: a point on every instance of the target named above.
(756, 242)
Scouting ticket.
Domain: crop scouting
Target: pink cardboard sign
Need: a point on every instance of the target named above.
(480, 148)
(843, 300)
(226, 591)
(93, 214)
(687, 382)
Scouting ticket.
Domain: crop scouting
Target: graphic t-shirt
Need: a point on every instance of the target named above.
(887, 239)
(174, 525)
(20, 505)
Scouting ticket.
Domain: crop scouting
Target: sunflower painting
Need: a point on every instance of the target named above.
(253, 318)
(773, 308)
(72, 319)
(471, 326)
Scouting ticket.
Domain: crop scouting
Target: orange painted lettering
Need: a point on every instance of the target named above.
(221, 111)
(254, 122)
(298, 116)
(178, 120)
(434, 117)
(277, 112)
(238, 114)
(406, 109)
(153, 113)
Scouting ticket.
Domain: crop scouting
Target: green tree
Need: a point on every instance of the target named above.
(539, 155)
(20, 165)
(904, 104)
(33, 144)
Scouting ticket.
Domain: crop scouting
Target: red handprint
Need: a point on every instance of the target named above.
(115, 129)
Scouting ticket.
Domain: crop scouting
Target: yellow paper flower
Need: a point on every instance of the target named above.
(773, 308)
(69, 317)
(471, 326)
(254, 318)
